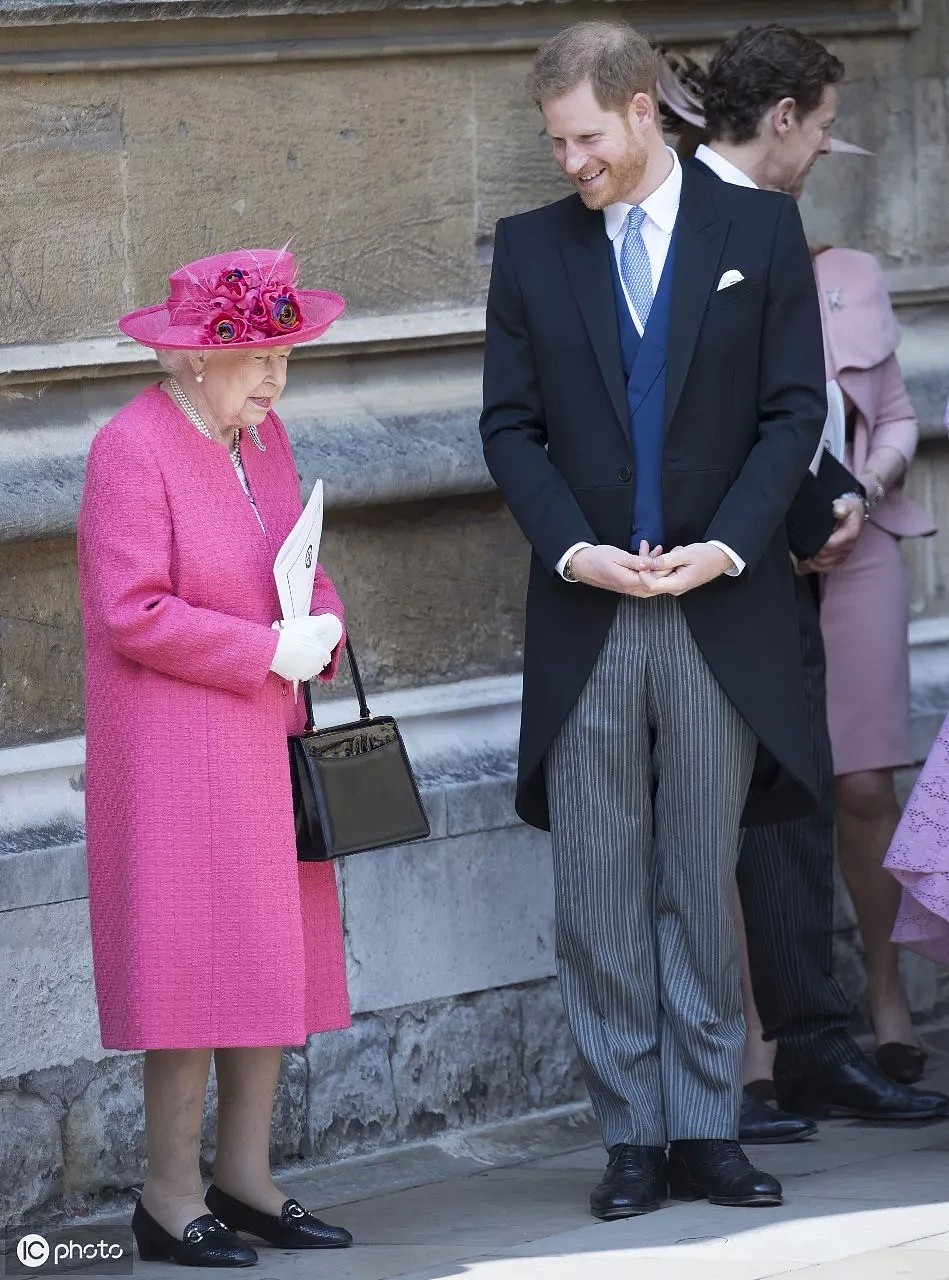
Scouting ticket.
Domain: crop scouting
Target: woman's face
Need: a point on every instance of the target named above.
(241, 387)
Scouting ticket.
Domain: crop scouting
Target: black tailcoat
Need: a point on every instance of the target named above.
(745, 406)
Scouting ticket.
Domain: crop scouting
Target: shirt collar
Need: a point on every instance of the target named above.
(727, 171)
(661, 207)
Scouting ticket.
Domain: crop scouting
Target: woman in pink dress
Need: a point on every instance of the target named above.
(208, 935)
(919, 855)
(864, 618)
(919, 858)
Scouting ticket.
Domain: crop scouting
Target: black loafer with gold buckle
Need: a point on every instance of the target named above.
(206, 1242)
(294, 1228)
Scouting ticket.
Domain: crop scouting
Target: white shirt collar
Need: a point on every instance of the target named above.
(727, 171)
(662, 207)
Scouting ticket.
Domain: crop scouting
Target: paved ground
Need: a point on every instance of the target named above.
(510, 1203)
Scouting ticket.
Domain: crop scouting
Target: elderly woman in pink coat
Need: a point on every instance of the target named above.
(208, 935)
(864, 617)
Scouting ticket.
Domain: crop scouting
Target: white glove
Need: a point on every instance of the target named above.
(305, 646)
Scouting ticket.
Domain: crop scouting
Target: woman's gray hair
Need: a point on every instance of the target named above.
(173, 362)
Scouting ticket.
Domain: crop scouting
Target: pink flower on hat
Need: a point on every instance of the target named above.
(228, 327)
(231, 284)
(283, 309)
(254, 309)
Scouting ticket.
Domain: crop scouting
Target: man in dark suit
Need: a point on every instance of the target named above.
(653, 378)
(771, 99)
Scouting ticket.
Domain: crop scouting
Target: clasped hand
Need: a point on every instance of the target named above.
(306, 645)
(651, 572)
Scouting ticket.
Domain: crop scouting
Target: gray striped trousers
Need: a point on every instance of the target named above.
(647, 780)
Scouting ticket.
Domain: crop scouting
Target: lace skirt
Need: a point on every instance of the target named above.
(919, 858)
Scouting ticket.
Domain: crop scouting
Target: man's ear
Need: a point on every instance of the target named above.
(783, 116)
(641, 110)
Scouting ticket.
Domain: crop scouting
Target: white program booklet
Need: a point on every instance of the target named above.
(295, 566)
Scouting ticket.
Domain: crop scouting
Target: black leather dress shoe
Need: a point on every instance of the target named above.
(634, 1183)
(760, 1123)
(294, 1228)
(206, 1242)
(859, 1089)
(720, 1172)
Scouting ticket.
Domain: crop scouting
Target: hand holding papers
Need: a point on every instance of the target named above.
(305, 646)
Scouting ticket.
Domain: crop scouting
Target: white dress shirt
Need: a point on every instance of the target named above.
(661, 209)
(727, 171)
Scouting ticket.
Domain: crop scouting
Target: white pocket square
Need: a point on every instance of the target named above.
(728, 279)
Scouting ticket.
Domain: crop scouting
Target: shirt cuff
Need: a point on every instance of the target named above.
(737, 562)
(561, 563)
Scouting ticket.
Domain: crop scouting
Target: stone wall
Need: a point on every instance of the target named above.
(72, 1138)
(387, 139)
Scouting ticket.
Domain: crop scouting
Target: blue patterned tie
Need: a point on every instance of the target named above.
(635, 266)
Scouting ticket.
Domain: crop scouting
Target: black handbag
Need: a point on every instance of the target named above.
(353, 786)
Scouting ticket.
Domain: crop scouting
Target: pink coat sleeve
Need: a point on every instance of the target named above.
(896, 424)
(125, 545)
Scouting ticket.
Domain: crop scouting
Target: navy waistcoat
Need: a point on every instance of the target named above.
(644, 364)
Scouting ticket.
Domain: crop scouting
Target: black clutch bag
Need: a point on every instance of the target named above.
(353, 786)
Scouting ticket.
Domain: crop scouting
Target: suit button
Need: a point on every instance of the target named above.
(625, 474)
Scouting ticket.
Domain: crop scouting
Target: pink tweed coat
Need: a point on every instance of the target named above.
(206, 931)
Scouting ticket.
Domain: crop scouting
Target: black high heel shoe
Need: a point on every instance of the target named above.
(206, 1242)
(904, 1063)
(295, 1228)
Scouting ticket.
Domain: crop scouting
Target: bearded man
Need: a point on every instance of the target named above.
(653, 379)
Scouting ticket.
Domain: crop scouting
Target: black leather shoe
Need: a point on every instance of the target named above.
(760, 1123)
(859, 1089)
(206, 1242)
(634, 1183)
(720, 1172)
(295, 1228)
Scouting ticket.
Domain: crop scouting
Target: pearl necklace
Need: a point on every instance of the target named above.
(191, 413)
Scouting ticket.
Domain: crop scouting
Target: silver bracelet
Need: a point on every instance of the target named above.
(859, 497)
(879, 492)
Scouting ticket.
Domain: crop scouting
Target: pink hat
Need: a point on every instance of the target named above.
(242, 299)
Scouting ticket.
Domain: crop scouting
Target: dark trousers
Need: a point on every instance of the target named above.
(786, 882)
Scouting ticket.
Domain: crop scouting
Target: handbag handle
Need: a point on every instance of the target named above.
(364, 712)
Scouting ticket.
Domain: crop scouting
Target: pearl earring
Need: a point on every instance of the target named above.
(199, 377)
